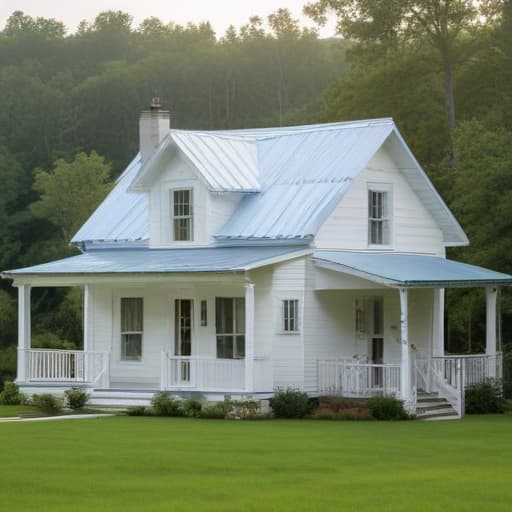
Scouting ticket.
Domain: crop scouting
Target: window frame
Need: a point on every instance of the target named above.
(180, 217)
(385, 219)
(285, 308)
(122, 356)
(235, 333)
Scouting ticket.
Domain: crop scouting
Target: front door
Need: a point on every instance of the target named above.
(183, 312)
(377, 341)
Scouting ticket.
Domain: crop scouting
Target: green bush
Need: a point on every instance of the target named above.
(485, 398)
(387, 408)
(290, 403)
(76, 398)
(245, 409)
(217, 411)
(192, 408)
(48, 403)
(11, 395)
(165, 405)
(136, 410)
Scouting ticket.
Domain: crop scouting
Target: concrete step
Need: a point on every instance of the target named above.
(433, 406)
(447, 415)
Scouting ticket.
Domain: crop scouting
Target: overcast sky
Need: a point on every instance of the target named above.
(221, 13)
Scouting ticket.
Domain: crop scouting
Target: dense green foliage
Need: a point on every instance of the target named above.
(162, 464)
(47, 403)
(290, 403)
(76, 398)
(163, 404)
(485, 398)
(387, 408)
(11, 395)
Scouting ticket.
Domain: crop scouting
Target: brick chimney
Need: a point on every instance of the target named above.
(154, 125)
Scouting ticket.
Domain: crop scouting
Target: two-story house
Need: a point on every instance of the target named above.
(236, 262)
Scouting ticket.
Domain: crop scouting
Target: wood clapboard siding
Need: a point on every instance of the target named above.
(413, 228)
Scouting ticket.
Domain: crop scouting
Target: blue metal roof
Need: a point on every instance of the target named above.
(411, 270)
(135, 261)
(293, 178)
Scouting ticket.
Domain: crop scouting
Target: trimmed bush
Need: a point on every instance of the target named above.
(290, 403)
(136, 410)
(165, 405)
(386, 408)
(11, 395)
(485, 398)
(76, 398)
(217, 411)
(192, 408)
(48, 403)
(245, 409)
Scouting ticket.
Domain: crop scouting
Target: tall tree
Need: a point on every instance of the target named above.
(391, 23)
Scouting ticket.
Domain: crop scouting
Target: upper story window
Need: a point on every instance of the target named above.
(290, 318)
(379, 215)
(182, 215)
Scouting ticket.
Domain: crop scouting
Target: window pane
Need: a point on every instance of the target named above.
(204, 313)
(240, 316)
(131, 315)
(225, 347)
(291, 315)
(240, 347)
(131, 347)
(224, 315)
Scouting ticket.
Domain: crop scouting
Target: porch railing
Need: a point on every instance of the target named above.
(479, 367)
(351, 378)
(213, 374)
(90, 367)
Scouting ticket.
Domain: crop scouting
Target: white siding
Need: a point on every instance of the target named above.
(288, 348)
(413, 228)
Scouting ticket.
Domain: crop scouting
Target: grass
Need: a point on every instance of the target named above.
(173, 464)
(10, 411)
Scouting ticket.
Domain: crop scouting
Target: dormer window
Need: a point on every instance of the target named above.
(182, 215)
(379, 214)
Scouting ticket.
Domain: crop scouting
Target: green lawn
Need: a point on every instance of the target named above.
(157, 464)
(10, 411)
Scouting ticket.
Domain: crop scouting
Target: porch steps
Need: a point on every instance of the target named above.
(430, 407)
(120, 398)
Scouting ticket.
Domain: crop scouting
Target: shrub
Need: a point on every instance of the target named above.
(387, 408)
(165, 405)
(192, 408)
(48, 403)
(290, 403)
(76, 398)
(245, 409)
(485, 398)
(11, 395)
(136, 410)
(217, 411)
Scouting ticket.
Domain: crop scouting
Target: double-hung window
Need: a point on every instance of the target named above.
(230, 327)
(132, 328)
(290, 316)
(379, 215)
(182, 215)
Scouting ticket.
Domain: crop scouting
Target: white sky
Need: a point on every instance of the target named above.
(221, 13)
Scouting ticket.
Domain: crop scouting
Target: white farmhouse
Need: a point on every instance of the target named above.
(237, 262)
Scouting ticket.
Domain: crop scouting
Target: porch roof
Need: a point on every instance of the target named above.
(409, 270)
(143, 260)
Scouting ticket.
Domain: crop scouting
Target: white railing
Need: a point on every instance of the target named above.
(68, 366)
(350, 378)
(447, 378)
(479, 367)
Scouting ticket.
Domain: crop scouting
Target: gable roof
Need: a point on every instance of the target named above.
(292, 179)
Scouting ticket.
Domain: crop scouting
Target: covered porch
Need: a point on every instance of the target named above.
(414, 285)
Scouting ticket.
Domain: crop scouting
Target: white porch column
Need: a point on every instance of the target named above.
(490, 328)
(405, 365)
(438, 323)
(249, 337)
(23, 331)
(87, 363)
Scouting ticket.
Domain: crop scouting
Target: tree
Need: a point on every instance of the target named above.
(393, 23)
(71, 191)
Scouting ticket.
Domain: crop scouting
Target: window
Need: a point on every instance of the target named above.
(379, 222)
(131, 328)
(290, 316)
(230, 327)
(183, 314)
(182, 215)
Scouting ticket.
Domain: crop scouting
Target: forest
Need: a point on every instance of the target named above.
(69, 107)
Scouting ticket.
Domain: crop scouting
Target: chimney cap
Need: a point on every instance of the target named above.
(155, 104)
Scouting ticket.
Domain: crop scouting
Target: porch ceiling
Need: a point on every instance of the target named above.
(158, 261)
(409, 270)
